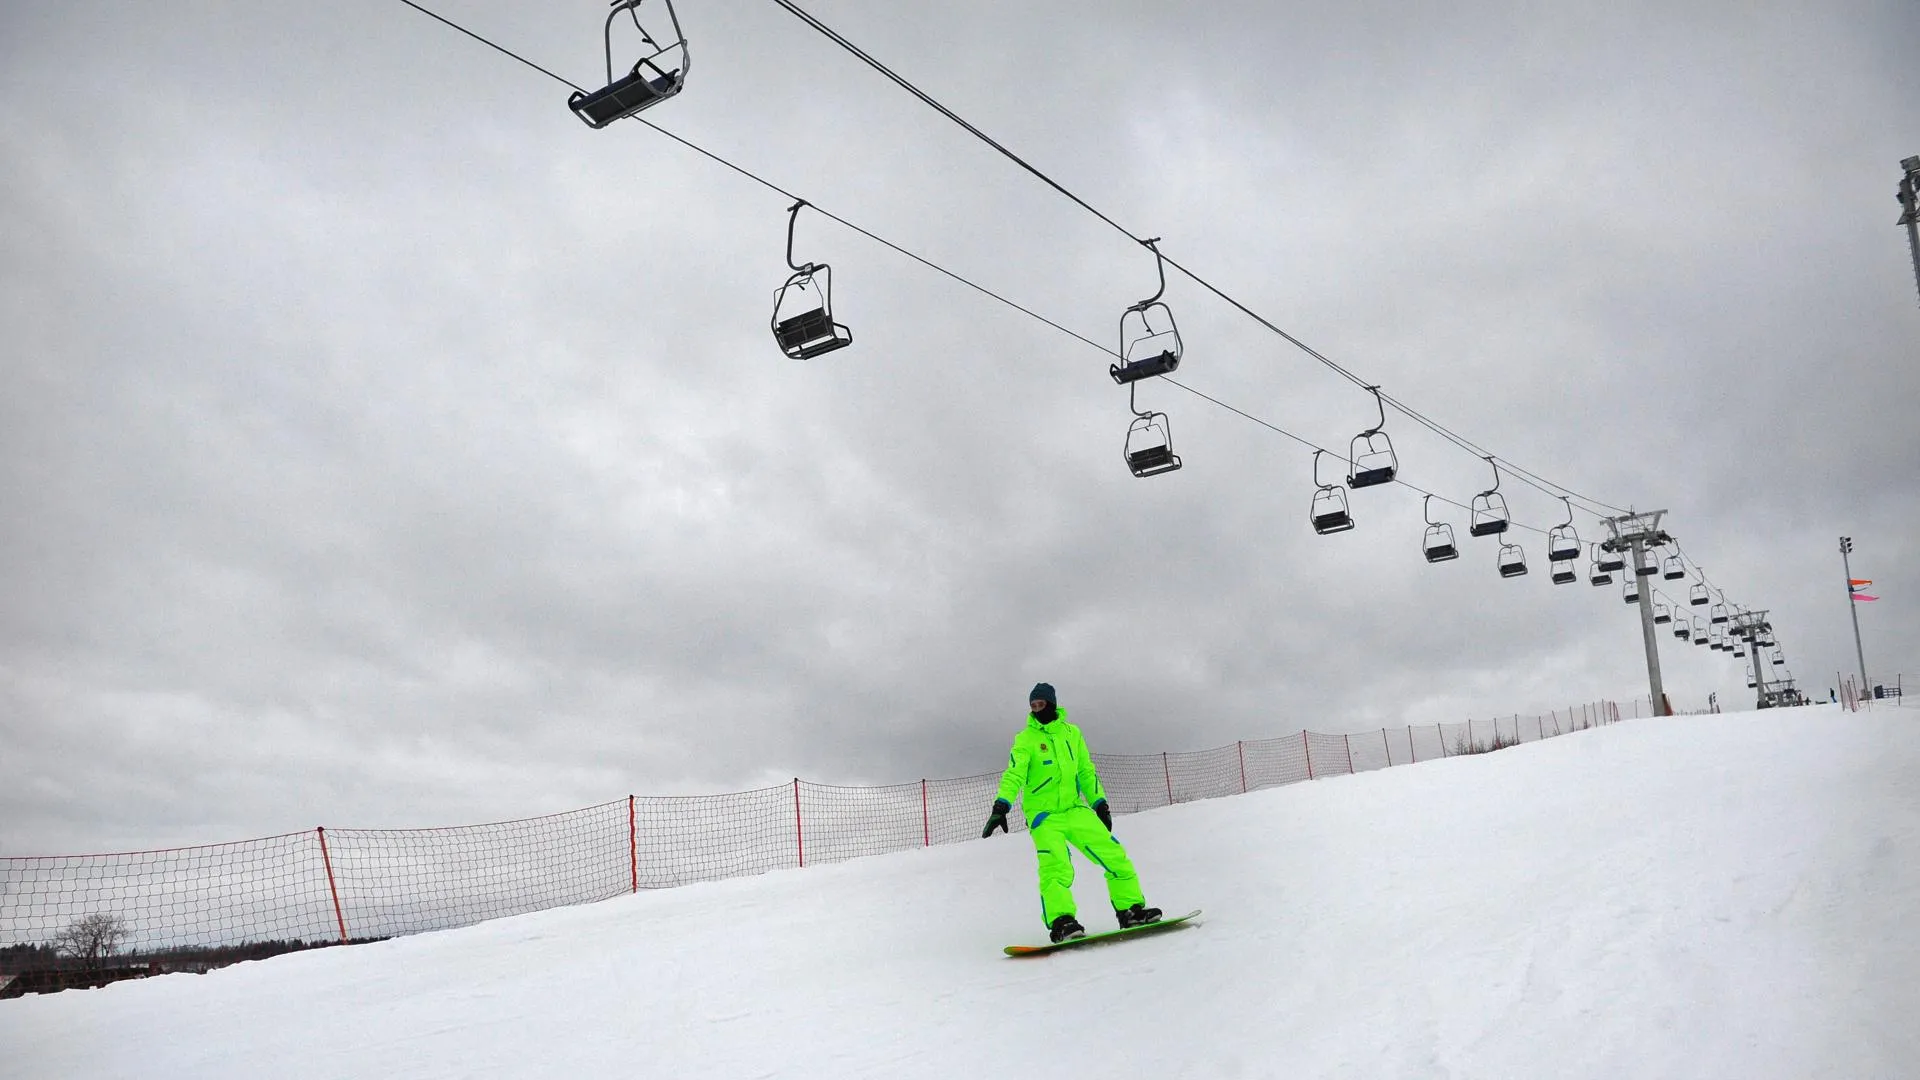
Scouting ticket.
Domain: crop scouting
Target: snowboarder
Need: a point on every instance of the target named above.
(1065, 807)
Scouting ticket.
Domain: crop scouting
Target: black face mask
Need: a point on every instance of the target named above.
(1048, 715)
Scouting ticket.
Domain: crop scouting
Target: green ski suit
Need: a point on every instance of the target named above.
(1051, 764)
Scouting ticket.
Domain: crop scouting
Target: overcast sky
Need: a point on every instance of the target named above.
(379, 446)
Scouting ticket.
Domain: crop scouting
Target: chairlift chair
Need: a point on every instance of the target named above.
(1779, 658)
(1739, 650)
(803, 307)
(1719, 613)
(1662, 614)
(1149, 446)
(1329, 512)
(1371, 454)
(1611, 561)
(1599, 575)
(1649, 564)
(1437, 545)
(1697, 596)
(1513, 560)
(1563, 542)
(1673, 569)
(1563, 572)
(1699, 631)
(1681, 630)
(1629, 591)
(1750, 680)
(1489, 515)
(1147, 349)
(649, 82)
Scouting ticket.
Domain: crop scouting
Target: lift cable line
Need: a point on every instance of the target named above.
(1530, 478)
(930, 264)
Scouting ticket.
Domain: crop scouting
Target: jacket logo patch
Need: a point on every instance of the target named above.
(1043, 746)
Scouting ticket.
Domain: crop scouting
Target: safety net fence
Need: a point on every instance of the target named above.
(329, 885)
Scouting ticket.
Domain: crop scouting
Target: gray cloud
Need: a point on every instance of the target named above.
(381, 447)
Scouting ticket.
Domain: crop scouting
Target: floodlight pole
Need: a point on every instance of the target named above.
(1909, 197)
(1853, 609)
(1634, 534)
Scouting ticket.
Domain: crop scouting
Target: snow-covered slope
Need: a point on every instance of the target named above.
(1724, 896)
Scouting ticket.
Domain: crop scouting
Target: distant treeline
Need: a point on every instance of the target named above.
(20, 959)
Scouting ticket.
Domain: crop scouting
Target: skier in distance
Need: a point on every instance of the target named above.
(1065, 808)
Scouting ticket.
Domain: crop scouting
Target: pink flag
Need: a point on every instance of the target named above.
(1864, 596)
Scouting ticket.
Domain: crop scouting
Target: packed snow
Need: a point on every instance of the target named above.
(1722, 896)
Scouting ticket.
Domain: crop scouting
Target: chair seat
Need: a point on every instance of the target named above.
(1134, 370)
(1382, 474)
(629, 94)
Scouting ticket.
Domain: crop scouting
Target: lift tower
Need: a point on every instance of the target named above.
(1753, 628)
(1635, 535)
(1909, 197)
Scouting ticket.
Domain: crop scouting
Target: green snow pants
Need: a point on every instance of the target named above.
(1079, 827)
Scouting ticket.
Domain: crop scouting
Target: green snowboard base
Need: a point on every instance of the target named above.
(1107, 935)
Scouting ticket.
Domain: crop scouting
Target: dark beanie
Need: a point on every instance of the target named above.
(1043, 692)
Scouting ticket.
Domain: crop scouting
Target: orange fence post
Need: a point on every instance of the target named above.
(1242, 747)
(1169, 775)
(1308, 747)
(1349, 739)
(326, 860)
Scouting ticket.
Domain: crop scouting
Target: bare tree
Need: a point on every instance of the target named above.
(92, 938)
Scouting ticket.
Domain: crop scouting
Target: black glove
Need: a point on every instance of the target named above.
(997, 819)
(1106, 815)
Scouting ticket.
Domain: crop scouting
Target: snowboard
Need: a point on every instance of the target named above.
(1105, 935)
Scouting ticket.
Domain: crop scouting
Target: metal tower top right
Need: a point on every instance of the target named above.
(1910, 205)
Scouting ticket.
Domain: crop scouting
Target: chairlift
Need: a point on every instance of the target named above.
(1681, 630)
(1489, 509)
(649, 82)
(1563, 542)
(1673, 569)
(1739, 650)
(1149, 339)
(1699, 631)
(1329, 512)
(1371, 454)
(803, 307)
(1611, 561)
(1778, 658)
(1149, 446)
(1437, 545)
(1629, 591)
(1599, 575)
(1648, 565)
(1697, 596)
(1563, 572)
(1718, 613)
(1750, 679)
(1513, 561)
(1662, 614)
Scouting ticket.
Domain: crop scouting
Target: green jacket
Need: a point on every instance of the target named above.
(1051, 764)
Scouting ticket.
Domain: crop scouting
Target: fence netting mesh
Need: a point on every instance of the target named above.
(327, 885)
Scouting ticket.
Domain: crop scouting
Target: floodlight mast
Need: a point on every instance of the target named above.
(1853, 606)
(1633, 534)
(1909, 197)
